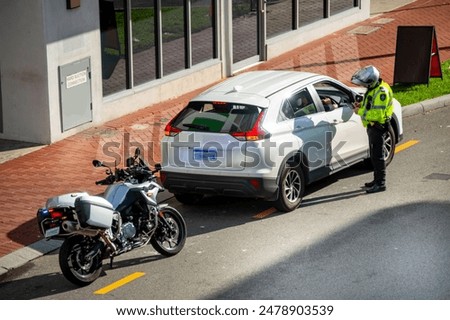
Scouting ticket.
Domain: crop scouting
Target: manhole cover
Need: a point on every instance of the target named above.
(363, 30)
(438, 176)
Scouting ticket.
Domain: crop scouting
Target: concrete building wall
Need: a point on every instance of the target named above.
(71, 35)
(23, 70)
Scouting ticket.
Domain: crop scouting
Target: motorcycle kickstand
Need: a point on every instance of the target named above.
(111, 258)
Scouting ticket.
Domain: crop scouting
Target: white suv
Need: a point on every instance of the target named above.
(266, 134)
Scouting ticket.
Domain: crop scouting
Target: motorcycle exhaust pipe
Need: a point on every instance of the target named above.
(69, 226)
(72, 227)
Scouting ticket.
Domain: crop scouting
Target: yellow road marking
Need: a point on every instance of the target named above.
(265, 213)
(406, 145)
(119, 283)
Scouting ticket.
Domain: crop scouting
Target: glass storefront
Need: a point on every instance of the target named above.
(144, 40)
(153, 47)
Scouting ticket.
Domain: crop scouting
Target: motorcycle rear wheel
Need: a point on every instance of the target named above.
(73, 263)
(170, 234)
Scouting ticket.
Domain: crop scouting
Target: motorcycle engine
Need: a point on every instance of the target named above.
(128, 230)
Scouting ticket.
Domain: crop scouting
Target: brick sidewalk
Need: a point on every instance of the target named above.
(65, 166)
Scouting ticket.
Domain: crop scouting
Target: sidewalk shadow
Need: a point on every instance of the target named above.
(12, 149)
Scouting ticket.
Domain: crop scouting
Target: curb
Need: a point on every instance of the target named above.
(426, 106)
(22, 256)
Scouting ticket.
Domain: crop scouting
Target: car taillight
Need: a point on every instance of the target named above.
(255, 133)
(171, 131)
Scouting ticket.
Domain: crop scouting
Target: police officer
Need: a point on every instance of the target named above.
(375, 111)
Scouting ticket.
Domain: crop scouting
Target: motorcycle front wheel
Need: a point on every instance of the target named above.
(170, 235)
(75, 265)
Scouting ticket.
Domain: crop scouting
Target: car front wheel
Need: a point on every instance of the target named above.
(290, 189)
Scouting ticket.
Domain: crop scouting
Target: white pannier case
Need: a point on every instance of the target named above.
(64, 200)
(94, 211)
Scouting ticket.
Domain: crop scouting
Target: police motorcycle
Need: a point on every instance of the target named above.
(127, 216)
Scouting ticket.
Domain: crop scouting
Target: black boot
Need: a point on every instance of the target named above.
(376, 188)
(369, 184)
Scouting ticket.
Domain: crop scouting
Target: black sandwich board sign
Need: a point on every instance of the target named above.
(416, 55)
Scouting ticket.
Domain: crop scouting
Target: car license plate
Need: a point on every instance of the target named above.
(201, 154)
(52, 232)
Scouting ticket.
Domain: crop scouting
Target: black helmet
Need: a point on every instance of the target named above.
(367, 76)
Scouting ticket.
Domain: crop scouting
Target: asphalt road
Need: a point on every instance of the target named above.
(340, 244)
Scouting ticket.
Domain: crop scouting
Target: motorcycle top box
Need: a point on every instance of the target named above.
(64, 200)
(94, 211)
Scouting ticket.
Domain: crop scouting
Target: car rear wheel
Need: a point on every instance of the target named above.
(290, 189)
(389, 145)
(388, 149)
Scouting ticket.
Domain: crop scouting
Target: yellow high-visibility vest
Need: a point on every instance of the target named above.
(377, 105)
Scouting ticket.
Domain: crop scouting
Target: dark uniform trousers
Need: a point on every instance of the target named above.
(376, 133)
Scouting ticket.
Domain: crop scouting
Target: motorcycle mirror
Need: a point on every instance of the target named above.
(130, 162)
(97, 163)
(137, 152)
(158, 166)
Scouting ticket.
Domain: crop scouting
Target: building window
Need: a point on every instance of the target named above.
(1, 104)
(173, 36)
(144, 40)
(337, 6)
(245, 29)
(203, 26)
(310, 11)
(279, 17)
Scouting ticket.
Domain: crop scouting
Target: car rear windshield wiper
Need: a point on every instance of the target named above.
(196, 126)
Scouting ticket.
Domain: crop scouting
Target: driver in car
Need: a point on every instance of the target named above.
(328, 104)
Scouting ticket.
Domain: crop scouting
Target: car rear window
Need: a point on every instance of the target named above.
(220, 117)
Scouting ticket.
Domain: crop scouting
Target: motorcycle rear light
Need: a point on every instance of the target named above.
(255, 133)
(55, 214)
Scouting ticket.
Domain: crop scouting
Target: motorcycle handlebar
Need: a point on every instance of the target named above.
(124, 174)
(101, 182)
